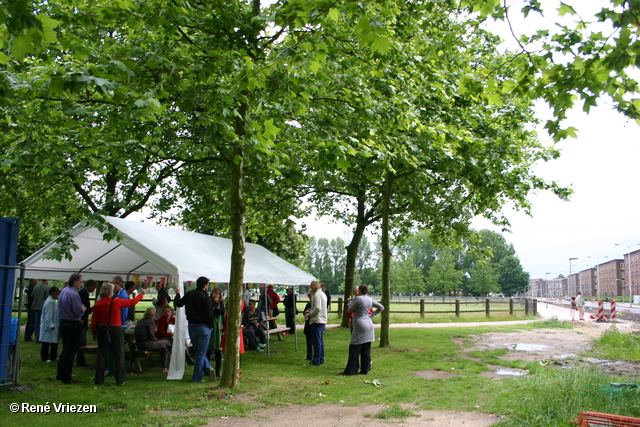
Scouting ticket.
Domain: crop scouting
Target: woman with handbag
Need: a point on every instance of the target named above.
(105, 327)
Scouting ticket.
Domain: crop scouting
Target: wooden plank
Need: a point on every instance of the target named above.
(278, 330)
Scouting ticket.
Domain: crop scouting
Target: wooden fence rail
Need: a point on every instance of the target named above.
(421, 307)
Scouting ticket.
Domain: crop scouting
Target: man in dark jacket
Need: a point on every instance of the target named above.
(85, 293)
(28, 295)
(199, 311)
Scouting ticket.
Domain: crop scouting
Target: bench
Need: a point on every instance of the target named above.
(278, 329)
(90, 349)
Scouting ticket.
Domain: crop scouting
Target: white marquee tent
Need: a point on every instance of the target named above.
(151, 250)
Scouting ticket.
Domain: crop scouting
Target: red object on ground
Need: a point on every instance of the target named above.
(590, 419)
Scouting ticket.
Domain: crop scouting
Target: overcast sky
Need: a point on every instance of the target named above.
(601, 167)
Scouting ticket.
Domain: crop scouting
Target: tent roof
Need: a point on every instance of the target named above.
(152, 250)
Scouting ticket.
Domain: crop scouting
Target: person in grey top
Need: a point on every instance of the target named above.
(40, 294)
(362, 336)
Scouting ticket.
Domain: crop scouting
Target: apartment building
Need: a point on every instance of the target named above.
(588, 282)
(634, 274)
(609, 280)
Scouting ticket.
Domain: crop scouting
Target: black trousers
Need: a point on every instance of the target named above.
(49, 351)
(116, 351)
(70, 332)
(362, 352)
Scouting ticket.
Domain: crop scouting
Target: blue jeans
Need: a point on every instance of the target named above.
(317, 342)
(200, 341)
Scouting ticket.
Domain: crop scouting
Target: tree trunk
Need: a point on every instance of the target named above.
(350, 268)
(386, 261)
(231, 367)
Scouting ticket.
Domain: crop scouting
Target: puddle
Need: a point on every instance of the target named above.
(510, 372)
(530, 347)
(564, 356)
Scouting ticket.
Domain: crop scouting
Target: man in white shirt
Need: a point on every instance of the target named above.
(580, 305)
(317, 322)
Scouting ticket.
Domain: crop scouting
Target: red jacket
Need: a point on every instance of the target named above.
(162, 330)
(274, 298)
(101, 315)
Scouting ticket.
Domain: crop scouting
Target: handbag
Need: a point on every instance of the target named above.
(103, 330)
(103, 334)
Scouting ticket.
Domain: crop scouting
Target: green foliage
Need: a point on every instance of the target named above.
(552, 323)
(443, 275)
(552, 397)
(615, 345)
(593, 57)
(484, 279)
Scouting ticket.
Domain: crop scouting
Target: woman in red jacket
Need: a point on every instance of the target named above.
(167, 318)
(105, 326)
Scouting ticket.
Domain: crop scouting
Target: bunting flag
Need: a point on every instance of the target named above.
(161, 281)
(147, 282)
(136, 279)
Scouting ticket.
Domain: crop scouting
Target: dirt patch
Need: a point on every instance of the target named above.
(561, 347)
(329, 415)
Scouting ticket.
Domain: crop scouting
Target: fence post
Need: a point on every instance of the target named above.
(487, 308)
(526, 306)
(422, 308)
(535, 307)
(457, 307)
(340, 307)
(511, 306)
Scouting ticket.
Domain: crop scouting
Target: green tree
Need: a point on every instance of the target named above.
(483, 279)
(435, 156)
(406, 278)
(583, 60)
(443, 276)
(419, 248)
(511, 276)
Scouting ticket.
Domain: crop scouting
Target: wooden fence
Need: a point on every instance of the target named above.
(421, 306)
(486, 305)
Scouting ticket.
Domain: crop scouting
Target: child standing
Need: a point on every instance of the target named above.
(574, 307)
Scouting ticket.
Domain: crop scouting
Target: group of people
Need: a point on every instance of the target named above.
(66, 314)
(54, 315)
(577, 304)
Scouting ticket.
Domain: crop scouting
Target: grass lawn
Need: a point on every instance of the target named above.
(284, 378)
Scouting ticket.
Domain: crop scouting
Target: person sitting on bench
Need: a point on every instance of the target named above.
(252, 322)
(146, 338)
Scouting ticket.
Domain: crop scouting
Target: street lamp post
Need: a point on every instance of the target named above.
(628, 275)
(546, 283)
(570, 259)
(598, 272)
